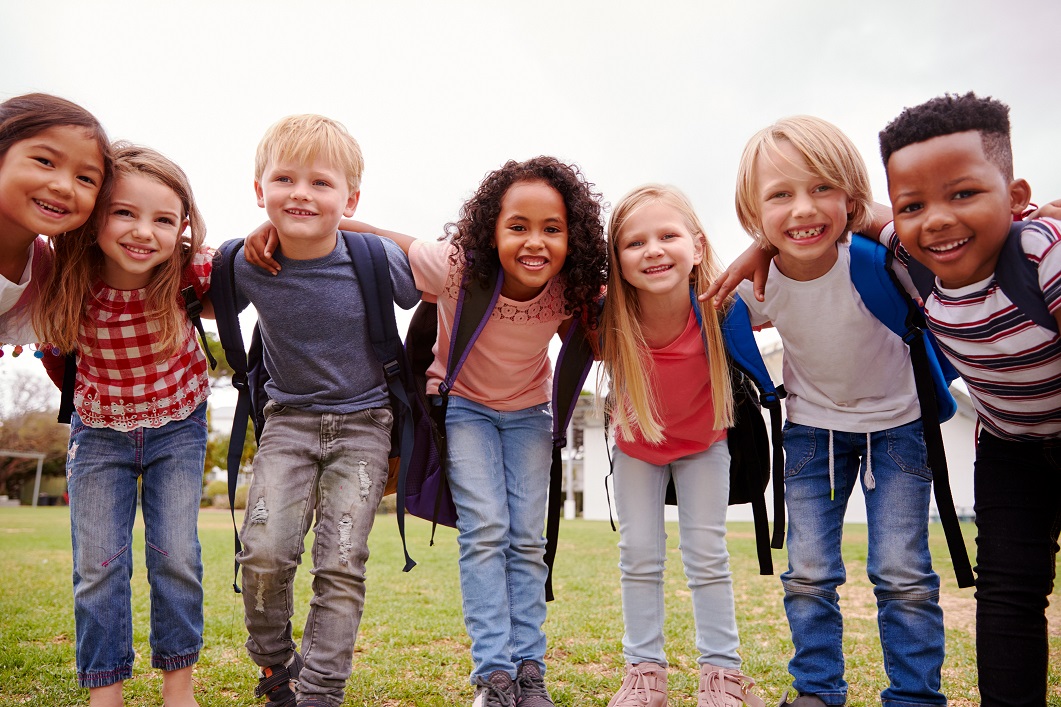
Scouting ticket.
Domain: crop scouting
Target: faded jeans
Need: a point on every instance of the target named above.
(103, 467)
(328, 467)
(702, 485)
(898, 561)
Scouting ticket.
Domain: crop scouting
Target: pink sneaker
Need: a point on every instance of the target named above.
(645, 685)
(725, 687)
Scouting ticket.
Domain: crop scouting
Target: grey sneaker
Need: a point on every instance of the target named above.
(497, 690)
(530, 687)
(802, 701)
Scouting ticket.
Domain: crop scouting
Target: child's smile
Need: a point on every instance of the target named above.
(802, 215)
(531, 238)
(657, 252)
(144, 220)
(953, 207)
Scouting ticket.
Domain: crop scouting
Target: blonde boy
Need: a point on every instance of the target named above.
(322, 459)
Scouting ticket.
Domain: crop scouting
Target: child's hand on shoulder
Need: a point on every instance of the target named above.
(259, 246)
(753, 264)
(1050, 210)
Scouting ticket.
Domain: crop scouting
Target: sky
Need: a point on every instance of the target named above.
(440, 93)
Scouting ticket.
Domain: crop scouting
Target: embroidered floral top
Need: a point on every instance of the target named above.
(508, 368)
(121, 384)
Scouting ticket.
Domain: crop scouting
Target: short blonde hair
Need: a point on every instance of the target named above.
(829, 153)
(304, 138)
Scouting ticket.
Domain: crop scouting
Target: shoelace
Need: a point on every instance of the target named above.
(532, 686)
(724, 688)
(495, 697)
(638, 687)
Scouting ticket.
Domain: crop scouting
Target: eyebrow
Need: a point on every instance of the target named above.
(84, 166)
(121, 203)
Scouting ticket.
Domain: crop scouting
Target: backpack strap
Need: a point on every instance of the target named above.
(886, 299)
(223, 298)
(570, 373)
(377, 291)
(1018, 278)
(745, 356)
(194, 307)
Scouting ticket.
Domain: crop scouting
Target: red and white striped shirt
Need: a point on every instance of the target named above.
(121, 384)
(1011, 366)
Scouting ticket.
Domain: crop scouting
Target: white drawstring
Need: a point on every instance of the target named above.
(832, 476)
(871, 483)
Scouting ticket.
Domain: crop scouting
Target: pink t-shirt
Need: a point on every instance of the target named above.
(681, 382)
(508, 368)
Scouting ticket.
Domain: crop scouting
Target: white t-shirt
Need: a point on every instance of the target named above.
(843, 369)
(16, 324)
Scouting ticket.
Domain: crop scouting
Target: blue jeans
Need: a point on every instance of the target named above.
(898, 562)
(702, 485)
(499, 476)
(1018, 519)
(333, 466)
(103, 467)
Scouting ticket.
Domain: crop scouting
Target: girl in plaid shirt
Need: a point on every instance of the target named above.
(113, 297)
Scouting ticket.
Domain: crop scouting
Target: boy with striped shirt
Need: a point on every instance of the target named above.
(950, 179)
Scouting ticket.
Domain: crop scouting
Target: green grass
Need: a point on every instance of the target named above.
(412, 649)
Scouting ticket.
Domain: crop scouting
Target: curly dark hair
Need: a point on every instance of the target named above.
(949, 114)
(585, 268)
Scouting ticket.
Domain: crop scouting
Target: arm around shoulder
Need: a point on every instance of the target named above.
(403, 241)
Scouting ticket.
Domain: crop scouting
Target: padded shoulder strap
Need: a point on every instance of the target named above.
(1018, 278)
(373, 277)
(475, 303)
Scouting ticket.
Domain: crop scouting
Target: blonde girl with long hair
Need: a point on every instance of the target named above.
(670, 402)
(113, 299)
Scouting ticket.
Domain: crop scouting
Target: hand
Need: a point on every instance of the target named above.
(753, 264)
(259, 246)
(1051, 210)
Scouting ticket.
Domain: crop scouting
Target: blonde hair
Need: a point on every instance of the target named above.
(625, 354)
(829, 153)
(304, 138)
(79, 262)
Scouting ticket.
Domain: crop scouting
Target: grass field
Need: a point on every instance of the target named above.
(412, 649)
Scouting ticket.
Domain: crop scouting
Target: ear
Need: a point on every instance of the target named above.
(184, 227)
(1020, 195)
(699, 248)
(351, 204)
(260, 193)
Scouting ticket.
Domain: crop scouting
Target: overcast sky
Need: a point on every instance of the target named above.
(439, 93)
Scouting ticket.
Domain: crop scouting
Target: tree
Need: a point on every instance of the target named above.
(27, 424)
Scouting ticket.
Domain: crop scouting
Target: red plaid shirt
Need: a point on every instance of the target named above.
(120, 383)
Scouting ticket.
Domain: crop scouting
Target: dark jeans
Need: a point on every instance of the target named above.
(1018, 517)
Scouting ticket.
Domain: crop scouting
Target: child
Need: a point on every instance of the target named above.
(654, 353)
(140, 417)
(801, 188)
(324, 447)
(950, 178)
(54, 160)
(539, 223)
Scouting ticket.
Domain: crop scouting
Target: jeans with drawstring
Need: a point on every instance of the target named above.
(898, 561)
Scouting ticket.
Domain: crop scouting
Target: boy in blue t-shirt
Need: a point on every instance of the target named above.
(950, 178)
(323, 454)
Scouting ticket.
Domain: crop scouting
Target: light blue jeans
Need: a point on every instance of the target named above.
(334, 467)
(702, 485)
(499, 476)
(898, 562)
(103, 467)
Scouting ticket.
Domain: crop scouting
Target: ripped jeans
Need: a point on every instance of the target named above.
(324, 467)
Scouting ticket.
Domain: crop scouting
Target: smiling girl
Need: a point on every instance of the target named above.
(140, 416)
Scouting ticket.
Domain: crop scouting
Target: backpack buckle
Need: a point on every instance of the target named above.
(391, 368)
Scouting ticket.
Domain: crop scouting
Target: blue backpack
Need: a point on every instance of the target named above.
(250, 375)
(888, 301)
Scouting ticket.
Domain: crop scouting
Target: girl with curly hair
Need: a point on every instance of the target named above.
(539, 225)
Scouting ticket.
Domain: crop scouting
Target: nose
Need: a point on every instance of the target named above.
(803, 205)
(142, 230)
(534, 239)
(62, 183)
(937, 218)
(653, 249)
(299, 192)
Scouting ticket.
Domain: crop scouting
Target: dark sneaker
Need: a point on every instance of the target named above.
(498, 690)
(277, 682)
(530, 687)
(802, 701)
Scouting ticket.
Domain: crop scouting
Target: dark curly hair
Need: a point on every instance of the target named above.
(585, 268)
(949, 114)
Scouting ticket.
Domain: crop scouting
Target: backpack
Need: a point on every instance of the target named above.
(250, 375)
(888, 301)
(64, 375)
(422, 487)
(747, 439)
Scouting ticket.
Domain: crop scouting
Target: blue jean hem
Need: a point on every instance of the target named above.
(103, 678)
(177, 662)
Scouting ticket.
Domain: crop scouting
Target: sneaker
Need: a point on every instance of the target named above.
(645, 685)
(277, 682)
(802, 701)
(725, 687)
(530, 687)
(498, 690)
